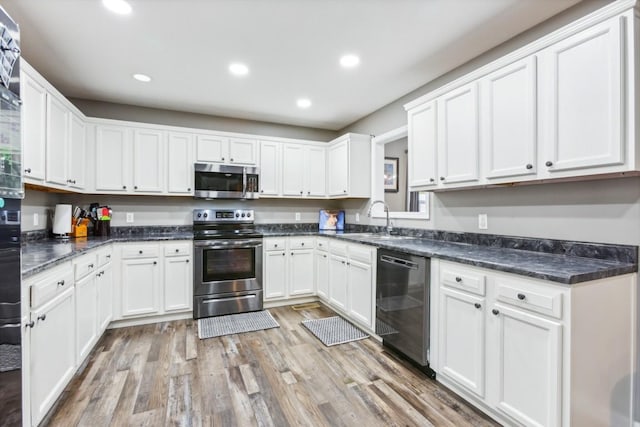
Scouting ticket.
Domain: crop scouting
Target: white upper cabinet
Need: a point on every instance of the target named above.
(112, 161)
(458, 135)
(303, 170)
(76, 170)
(339, 169)
(422, 145)
(180, 161)
(508, 120)
(34, 118)
(349, 166)
(270, 168)
(148, 161)
(221, 149)
(581, 80)
(315, 172)
(57, 140)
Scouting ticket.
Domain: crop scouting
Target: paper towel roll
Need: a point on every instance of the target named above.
(62, 219)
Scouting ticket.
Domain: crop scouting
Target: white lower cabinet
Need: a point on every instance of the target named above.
(322, 268)
(140, 287)
(360, 290)
(86, 315)
(534, 353)
(338, 281)
(178, 271)
(288, 267)
(104, 285)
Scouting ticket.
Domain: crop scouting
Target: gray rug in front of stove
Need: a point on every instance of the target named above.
(212, 327)
(334, 330)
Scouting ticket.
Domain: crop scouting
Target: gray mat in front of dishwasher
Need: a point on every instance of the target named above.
(10, 357)
(334, 330)
(211, 327)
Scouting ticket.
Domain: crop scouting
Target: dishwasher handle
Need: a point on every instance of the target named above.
(399, 262)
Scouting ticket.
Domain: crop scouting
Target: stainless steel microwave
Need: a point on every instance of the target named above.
(214, 181)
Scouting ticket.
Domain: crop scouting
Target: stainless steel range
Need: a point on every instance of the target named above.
(227, 275)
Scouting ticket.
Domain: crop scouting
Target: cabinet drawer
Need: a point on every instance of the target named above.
(177, 249)
(50, 284)
(274, 244)
(322, 244)
(301, 242)
(530, 296)
(361, 253)
(140, 251)
(463, 279)
(85, 265)
(338, 248)
(105, 256)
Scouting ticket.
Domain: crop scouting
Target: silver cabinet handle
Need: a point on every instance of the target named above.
(42, 317)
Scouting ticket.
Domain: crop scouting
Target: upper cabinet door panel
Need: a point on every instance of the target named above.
(77, 152)
(582, 84)
(293, 170)
(112, 142)
(212, 148)
(422, 140)
(34, 114)
(148, 157)
(270, 169)
(508, 120)
(180, 163)
(316, 169)
(243, 151)
(57, 141)
(458, 135)
(338, 167)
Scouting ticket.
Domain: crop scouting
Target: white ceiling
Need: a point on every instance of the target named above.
(292, 48)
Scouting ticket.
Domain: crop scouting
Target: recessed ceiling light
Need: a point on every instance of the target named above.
(120, 7)
(303, 103)
(349, 61)
(142, 78)
(238, 69)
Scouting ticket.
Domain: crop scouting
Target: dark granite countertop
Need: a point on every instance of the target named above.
(553, 260)
(40, 255)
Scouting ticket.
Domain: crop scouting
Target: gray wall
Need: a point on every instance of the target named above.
(107, 110)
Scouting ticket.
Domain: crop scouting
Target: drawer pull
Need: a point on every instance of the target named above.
(155, 262)
(275, 246)
(61, 283)
(458, 279)
(187, 261)
(90, 265)
(42, 317)
(177, 250)
(108, 256)
(283, 254)
(521, 297)
(495, 311)
(477, 305)
(31, 324)
(548, 163)
(140, 252)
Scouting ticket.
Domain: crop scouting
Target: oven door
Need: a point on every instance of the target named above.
(227, 266)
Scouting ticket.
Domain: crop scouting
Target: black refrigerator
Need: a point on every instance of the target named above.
(11, 193)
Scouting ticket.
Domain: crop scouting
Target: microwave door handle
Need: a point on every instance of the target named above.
(244, 183)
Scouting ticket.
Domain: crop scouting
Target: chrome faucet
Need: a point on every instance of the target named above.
(388, 228)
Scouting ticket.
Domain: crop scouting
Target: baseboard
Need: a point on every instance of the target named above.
(123, 323)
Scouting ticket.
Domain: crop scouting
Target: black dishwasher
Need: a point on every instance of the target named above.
(402, 305)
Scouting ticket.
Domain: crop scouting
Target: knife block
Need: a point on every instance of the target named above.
(79, 230)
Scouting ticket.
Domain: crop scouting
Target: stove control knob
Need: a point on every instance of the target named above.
(206, 215)
(243, 215)
(237, 215)
(199, 215)
(248, 214)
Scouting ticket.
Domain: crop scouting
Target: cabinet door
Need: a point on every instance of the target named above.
(180, 163)
(105, 297)
(301, 272)
(178, 283)
(528, 357)
(211, 148)
(243, 151)
(293, 172)
(458, 135)
(34, 116)
(462, 339)
(338, 167)
(508, 115)
(338, 281)
(422, 145)
(139, 287)
(148, 161)
(361, 291)
(52, 356)
(275, 274)
(112, 158)
(86, 315)
(581, 80)
(316, 169)
(77, 152)
(270, 168)
(57, 141)
(322, 275)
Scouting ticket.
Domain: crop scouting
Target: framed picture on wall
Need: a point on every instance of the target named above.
(391, 174)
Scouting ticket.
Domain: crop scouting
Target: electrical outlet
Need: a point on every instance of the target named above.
(297, 216)
(36, 218)
(129, 217)
(482, 222)
(357, 216)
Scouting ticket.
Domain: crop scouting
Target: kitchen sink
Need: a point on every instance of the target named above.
(379, 236)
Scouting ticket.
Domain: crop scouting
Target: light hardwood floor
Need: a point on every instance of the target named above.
(162, 374)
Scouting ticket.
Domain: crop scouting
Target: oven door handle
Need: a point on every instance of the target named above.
(235, 298)
(217, 244)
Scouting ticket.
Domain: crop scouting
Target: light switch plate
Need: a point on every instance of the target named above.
(357, 216)
(36, 218)
(297, 216)
(129, 217)
(483, 222)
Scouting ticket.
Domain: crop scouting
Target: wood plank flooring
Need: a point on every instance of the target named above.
(162, 374)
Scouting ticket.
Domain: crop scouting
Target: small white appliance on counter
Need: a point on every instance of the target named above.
(62, 221)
